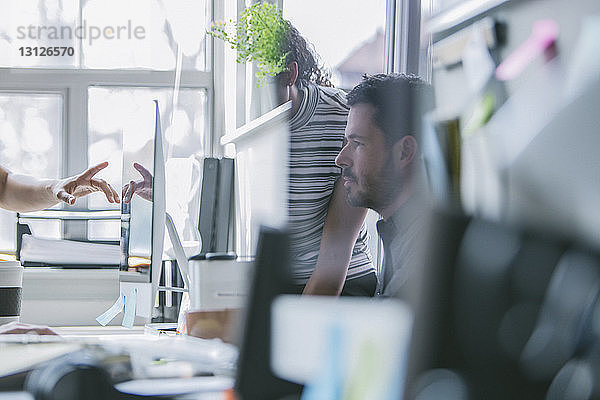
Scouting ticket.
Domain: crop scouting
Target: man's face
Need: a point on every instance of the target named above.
(368, 171)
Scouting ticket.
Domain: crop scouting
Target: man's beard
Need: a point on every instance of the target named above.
(376, 192)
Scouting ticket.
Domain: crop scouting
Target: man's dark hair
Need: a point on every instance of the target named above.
(399, 101)
(309, 69)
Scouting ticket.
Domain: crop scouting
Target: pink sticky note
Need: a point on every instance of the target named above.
(543, 34)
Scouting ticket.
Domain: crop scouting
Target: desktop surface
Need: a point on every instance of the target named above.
(100, 346)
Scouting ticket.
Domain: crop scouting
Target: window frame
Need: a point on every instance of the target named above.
(73, 85)
(402, 36)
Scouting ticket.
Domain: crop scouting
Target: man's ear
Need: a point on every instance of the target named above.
(293, 73)
(405, 151)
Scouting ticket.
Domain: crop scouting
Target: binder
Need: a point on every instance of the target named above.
(208, 199)
(223, 206)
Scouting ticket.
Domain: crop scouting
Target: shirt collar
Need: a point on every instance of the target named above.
(386, 230)
(414, 208)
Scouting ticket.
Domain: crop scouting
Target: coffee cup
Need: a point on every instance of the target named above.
(11, 289)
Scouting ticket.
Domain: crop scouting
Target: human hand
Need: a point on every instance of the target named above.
(142, 188)
(18, 328)
(74, 187)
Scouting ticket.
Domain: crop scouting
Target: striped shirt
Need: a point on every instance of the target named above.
(317, 134)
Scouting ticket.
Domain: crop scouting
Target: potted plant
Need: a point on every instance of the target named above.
(259, 36)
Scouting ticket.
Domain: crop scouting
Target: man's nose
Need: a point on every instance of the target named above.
(342, 160)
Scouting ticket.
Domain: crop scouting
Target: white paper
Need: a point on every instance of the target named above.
(167, 387)
(53, 251)
(130, 309)
(477, 61)
(376, 338)
(112, 312)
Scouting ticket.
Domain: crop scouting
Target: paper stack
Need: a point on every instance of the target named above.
(49, 251)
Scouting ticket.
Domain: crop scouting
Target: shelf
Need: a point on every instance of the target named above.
(256, 127)
(457, 17)
(72, 215)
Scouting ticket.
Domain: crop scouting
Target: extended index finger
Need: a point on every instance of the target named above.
(90, 172)
(143, 171)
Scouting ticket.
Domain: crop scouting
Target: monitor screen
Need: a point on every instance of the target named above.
(142, 216)
(261, 176)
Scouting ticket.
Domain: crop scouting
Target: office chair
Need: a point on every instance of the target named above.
(505, 313)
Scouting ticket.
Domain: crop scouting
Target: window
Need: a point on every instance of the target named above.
(30, 143)
(81, 102)
(118, 111)
(349, 42)
(25, 24)
(151, 34)
(104, 34)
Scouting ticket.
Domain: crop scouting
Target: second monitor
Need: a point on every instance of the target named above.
(261, 176)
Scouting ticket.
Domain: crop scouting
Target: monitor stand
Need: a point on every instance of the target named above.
(136, 299)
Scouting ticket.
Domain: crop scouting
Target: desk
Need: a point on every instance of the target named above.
(191, 355)
(15, 396)
(60, 297)
(198, 396)
(114, 332)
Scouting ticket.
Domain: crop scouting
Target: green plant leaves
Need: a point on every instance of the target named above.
(258, 36)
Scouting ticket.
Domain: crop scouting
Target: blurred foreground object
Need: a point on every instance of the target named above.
(213, 324)
(507, 314)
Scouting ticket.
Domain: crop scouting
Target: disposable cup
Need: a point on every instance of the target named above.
(11, 289)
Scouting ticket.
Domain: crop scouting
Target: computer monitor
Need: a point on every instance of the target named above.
(261, 176)
(272, 276)
(143, 218)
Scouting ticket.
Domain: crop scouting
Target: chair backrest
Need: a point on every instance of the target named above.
(507, 313)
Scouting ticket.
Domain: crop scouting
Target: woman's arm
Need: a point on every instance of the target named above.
(342, 226)
(25, 193)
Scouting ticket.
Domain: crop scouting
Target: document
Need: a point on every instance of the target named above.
(51, 251)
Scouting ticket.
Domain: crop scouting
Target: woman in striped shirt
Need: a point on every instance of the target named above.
(329, 240)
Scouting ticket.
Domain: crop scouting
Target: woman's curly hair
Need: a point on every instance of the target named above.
(309, 68)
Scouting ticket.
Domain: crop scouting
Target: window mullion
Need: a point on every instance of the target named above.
(76, 150)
